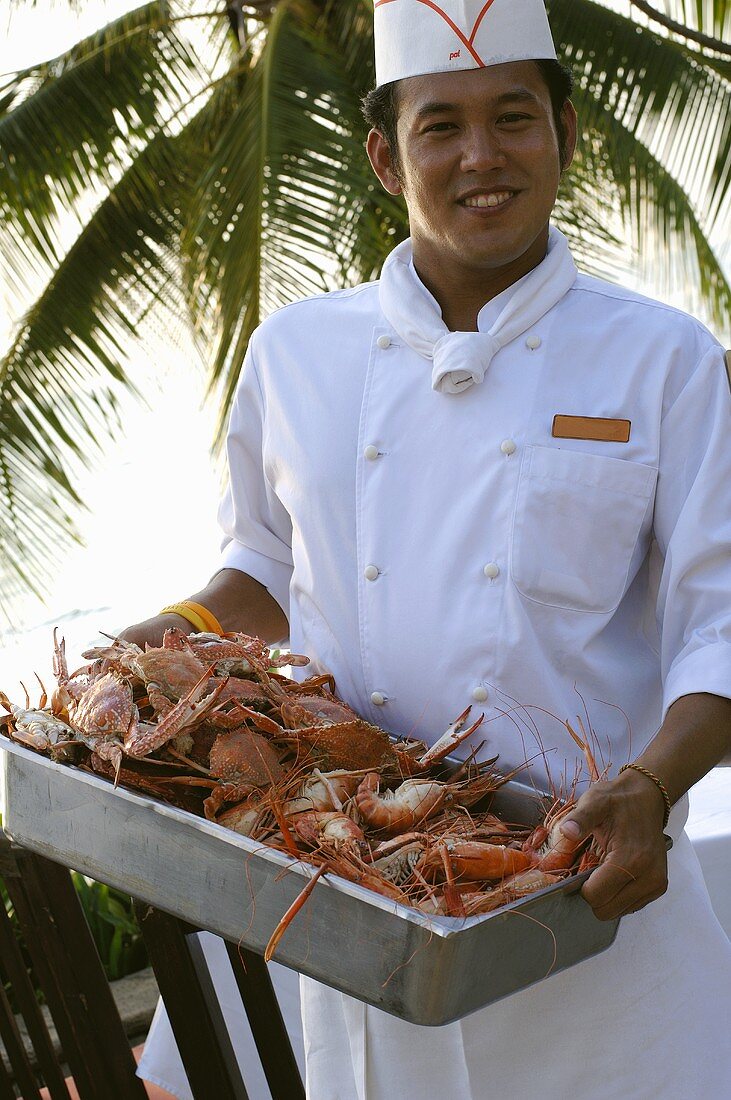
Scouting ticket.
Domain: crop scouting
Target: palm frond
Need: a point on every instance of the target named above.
(664, 229)
(652, 123)
(713, 17)
(59, 379)
(652, 85)
(267, 222)
(69, 126)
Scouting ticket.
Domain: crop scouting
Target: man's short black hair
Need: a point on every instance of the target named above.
(380, 105)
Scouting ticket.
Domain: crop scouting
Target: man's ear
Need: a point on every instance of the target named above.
(379, 154)
(568, 116)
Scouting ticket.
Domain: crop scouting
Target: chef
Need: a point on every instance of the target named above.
(489, 479)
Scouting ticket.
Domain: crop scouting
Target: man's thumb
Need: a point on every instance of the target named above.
(572, 828)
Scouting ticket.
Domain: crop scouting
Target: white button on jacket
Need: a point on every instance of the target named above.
(615, 582)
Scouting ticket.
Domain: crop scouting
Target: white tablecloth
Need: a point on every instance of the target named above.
(709, 828)
(160, 1062)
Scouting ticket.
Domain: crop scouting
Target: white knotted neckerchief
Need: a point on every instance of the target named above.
(462, 358)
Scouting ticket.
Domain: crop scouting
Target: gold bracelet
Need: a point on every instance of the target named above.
(204, 621)
(658, 783)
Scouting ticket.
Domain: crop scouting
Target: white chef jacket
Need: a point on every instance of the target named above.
(433, 550)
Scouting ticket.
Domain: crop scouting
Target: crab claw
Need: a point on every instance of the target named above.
(115, 757)
(192, 708)
(60, 667)
(450, 739)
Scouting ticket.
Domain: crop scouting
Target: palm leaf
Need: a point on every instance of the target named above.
(713, 17)
(59, 379)
(266, 226)
(68, 126)
(641, 112)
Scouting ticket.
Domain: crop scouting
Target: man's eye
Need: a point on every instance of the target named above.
(514, 117)
(438, 127)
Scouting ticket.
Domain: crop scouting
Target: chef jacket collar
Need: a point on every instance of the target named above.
(460, 359)
(489, 312)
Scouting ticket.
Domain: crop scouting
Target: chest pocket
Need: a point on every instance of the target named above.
(577, 520)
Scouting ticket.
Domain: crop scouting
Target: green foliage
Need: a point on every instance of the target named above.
(111, 919)
(216, 178)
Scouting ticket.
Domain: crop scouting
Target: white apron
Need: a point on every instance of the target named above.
(647, 1018)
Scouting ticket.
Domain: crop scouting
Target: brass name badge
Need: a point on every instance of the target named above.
(591, 427)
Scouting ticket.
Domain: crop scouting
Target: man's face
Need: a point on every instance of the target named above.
(479, 164)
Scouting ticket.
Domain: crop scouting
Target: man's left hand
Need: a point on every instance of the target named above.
(625, 818)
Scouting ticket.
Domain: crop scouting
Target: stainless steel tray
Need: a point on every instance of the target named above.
(427, 970)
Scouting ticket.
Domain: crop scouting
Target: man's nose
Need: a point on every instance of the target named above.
(482, 150)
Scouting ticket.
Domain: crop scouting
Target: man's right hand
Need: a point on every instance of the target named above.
(150, 631)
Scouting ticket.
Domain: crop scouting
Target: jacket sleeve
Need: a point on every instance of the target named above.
(257, 531)
(693, 533)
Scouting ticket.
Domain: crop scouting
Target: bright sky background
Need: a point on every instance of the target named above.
(32, 34)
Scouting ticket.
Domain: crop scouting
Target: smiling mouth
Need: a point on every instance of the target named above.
(494, 198)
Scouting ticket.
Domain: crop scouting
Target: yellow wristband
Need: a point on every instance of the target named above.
(210, 621)
(198, 616)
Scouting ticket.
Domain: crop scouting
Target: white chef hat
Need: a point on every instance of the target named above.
(414, 37)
